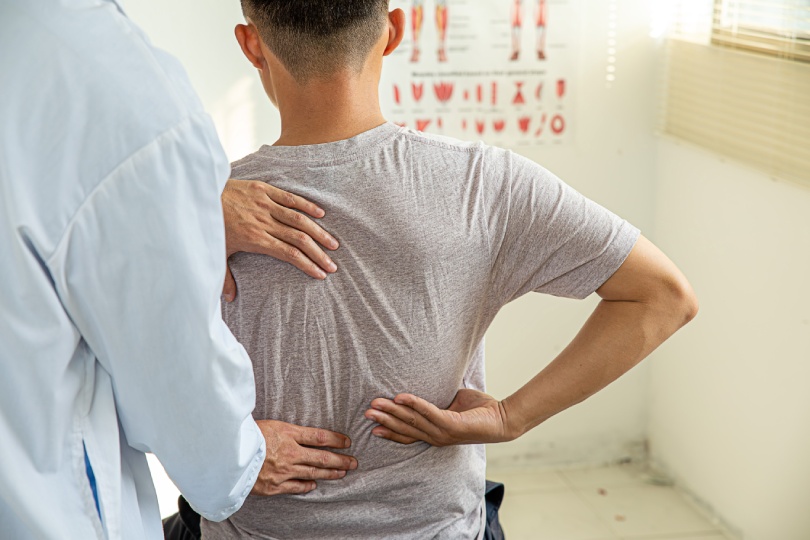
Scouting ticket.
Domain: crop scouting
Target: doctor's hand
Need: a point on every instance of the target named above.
(473, 418)
(260, 218)
(294, 462)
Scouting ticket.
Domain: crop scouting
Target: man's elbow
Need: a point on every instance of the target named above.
(681, 301)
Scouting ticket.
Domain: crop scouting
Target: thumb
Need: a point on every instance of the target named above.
(229, 290)
(467, 399)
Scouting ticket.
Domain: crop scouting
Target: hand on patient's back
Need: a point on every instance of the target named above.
(294, 460)
(260, 218)
(472, 418)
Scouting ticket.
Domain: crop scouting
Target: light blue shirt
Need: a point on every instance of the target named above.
(113, 253)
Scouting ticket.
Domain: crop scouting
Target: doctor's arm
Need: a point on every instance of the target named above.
(645, 302)
(139, 271)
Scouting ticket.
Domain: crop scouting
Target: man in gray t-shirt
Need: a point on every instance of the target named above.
(436, 235)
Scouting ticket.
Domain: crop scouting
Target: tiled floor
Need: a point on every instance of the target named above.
(610, 503)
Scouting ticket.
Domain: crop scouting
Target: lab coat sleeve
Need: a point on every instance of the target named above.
(140, 271)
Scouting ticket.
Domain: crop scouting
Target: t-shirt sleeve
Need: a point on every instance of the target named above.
(545, 236)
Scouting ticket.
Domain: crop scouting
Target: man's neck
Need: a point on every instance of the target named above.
(328, 111)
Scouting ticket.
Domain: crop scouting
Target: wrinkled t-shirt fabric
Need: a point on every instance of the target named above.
(436, 235)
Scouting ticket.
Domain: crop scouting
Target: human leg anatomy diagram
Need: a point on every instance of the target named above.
(441, 26)
(517, 24)
(541, 18)
(418, 18)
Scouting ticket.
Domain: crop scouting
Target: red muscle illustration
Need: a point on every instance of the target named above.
(519, 99)
(443, 91)
(523, 123)
(542, 125)
(557, 124)
(417, 90)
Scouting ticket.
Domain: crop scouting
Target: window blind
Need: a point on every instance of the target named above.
(778, 27)
(751, 107)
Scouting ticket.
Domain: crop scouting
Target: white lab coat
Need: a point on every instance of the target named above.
(112, 246)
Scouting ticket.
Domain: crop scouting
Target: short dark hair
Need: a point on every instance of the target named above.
(318, 37)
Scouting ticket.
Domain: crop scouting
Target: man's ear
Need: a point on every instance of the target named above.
(248, 37)
(396, 30)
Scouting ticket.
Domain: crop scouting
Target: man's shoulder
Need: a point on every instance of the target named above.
(252, 166)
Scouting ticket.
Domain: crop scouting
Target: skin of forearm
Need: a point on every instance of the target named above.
(617, 336)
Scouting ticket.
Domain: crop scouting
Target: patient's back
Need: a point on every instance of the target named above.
(436, 235)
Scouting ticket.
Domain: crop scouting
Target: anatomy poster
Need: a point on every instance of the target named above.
(492, 70)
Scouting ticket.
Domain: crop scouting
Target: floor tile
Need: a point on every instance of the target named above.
(603, 477)
(528, 480)
(717, 536)
(551, 515)
(639, 511)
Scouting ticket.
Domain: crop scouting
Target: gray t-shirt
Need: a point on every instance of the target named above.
(436, 236)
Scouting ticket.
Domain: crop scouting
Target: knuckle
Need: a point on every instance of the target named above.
(321, 437)
(275, 480)
(291, 253)
(288, 199)
(300, 237)
(258, 187)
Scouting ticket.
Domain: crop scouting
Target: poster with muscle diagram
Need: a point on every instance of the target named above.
(493, 70)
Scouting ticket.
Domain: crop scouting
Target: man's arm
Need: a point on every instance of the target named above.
(646, 301)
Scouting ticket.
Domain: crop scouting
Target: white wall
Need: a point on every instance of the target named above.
(730, 405)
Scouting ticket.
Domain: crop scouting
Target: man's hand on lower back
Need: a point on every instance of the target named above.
(294, 461)
(472, 418)
(260, 218)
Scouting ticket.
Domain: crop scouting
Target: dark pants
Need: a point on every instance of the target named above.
(185, 525)
(494, 498)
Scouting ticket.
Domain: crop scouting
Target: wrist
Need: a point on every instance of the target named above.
(513, 428)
